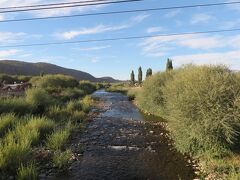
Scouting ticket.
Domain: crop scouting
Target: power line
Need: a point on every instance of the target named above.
(68, 6)
(52, 4)
(122, 12)
(121, 38)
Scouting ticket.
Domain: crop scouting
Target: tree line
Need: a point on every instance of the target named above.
(169, 66)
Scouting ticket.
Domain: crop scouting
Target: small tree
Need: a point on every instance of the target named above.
(140, 75)
(149, 72)
(169, 65)
(41, 73)
(132, 78)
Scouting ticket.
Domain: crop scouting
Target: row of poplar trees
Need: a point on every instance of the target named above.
(148, 73)
(169, 66)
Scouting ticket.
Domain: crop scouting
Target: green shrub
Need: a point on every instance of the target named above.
(77, 116)
(58, 114)
(41, 124)
(61, 159)
(151, 98)
(28, 172)
(54, 81)
(19, 106)
(87, 102)
(118, 87)
(203, 109)
(6, 122)
(58, 138)
(74, 105)
(39, 99)
(71, 93)
(13, 152)
(87, 87)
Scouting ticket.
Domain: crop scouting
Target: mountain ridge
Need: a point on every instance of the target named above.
(15, 67)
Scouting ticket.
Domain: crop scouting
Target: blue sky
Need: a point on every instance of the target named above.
(118, 58)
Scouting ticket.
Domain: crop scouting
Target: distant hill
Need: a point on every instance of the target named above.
(34, 69)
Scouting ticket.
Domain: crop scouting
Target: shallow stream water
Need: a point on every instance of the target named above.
(120, 144)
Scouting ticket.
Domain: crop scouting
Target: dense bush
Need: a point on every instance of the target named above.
(202, 105)
(151, 98)
(71, 93)
(54, 81)
(87, 87)
(39, 99)
(10, 79)
(6, 122)
(15, 105)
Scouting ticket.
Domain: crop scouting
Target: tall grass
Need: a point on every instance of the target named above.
(28, 172)
(61, 159)
(54, 81)
(39, 99)
(15, 105)
(58, 138)
(6, 122)
(87, 102)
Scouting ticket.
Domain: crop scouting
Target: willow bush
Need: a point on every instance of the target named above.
(202, 105)
(151, 98)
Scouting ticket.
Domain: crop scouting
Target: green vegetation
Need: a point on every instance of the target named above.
(6, 122)
(140, 75)
(132, 81)
(61, 159)
(201, 104)
(58, 138)
(149, 72)
(28, 172)
(10, 79)
(169, 65)
(43, 117)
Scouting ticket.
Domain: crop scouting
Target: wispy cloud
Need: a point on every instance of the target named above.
(9, 37)
(52, 12)
(96, 48)
(155, 29)
(157, 46)
(101, 28)
(232, 59)
(8, 53)
(201, 18)
(172, 13)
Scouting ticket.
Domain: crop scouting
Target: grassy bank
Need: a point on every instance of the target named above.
(43, 119)
(202, 108)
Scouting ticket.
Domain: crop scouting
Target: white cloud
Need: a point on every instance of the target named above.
(139, 18)
(161, 45)
(2, 17)
(52, 12)
(96, 48)
(93, 30)
(230, 58)
(201, 18)
(101, 28)
(8, 53)
(173, 13)
(155, 29)
(11, 37)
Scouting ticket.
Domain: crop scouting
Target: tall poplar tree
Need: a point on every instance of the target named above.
(139, 75)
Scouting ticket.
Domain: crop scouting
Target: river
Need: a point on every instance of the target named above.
(121, 144)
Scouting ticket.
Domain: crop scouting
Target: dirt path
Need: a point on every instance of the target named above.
(120, 145)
